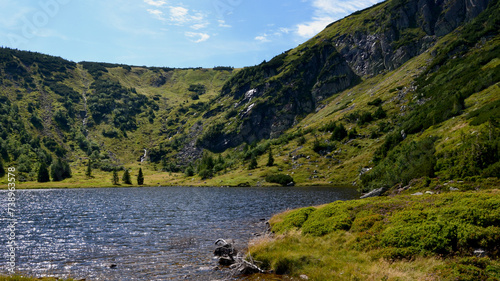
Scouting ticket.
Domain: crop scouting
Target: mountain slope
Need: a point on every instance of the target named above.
(363, 45)
(381, 97)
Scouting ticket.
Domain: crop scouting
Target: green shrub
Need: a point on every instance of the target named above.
(364, 223)
(60, 170)
(427, 237)
(365, 117)
(339, 133)
(469, 269)
(404, 163)
(322, 147)
(352, 134)
(282, 179)
(375, 102)
(328, 219)
(379, 113)
(293, 220)
(206, 173)
(490, 111)
(477, 155)
(189, 171)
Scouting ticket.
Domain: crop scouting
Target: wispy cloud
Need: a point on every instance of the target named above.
(273, 35)
(179, 15)
(222, 23)
(199, 25)
(156, 3)
(157, 14)
(327, 11)
(197, 37)
(262, 38)
(183, 17)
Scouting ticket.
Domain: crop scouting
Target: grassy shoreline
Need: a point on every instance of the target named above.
(401, 237)
(101, 179)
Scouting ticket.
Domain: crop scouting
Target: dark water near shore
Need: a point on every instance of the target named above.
(161, 233)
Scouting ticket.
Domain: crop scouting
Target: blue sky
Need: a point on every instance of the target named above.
(173, 33)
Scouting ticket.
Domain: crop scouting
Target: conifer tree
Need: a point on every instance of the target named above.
(60, 170)
(88, 173)
(126, 177)
(189, 171)
(116, 179)
(253, 163)
(2, 170)
(43, 173)
(270, 160)
(140, 177)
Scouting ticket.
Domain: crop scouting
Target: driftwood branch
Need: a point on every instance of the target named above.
(229, 256)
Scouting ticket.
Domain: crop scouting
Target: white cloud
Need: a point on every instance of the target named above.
(183, 16)
(178, 14)
(156, 3)
(197, 37)
(311, 28)
(328, 11)
(262, 38)
(157, 13)
(222, 23)
(284, 30)
(199, 25)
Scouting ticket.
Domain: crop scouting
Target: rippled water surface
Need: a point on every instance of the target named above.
(161, 233)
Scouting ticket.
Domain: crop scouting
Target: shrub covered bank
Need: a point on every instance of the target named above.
(450, 236)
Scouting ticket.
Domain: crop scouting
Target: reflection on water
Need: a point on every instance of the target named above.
(161, 233)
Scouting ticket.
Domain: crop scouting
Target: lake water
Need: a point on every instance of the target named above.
(160, 233)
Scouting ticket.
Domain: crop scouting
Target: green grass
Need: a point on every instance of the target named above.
(427, 237)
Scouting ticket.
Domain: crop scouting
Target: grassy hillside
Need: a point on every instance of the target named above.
(52, 108)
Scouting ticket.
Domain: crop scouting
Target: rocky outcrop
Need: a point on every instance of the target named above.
(272, 107)
(454, 13)
(412, 28)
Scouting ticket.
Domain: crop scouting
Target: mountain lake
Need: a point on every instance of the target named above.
(148, 233)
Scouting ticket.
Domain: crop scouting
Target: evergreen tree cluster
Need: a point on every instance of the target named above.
(126, 177)
(208, 166)
(60, 170)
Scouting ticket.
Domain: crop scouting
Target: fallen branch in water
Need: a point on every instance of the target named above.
(229, 256)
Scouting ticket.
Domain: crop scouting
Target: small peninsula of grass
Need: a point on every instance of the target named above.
(447, 236)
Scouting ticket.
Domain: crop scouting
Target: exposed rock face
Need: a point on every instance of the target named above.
(267, 106)
(368, 53)
(454, 13)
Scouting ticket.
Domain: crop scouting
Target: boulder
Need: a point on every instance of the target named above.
(373, 193)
